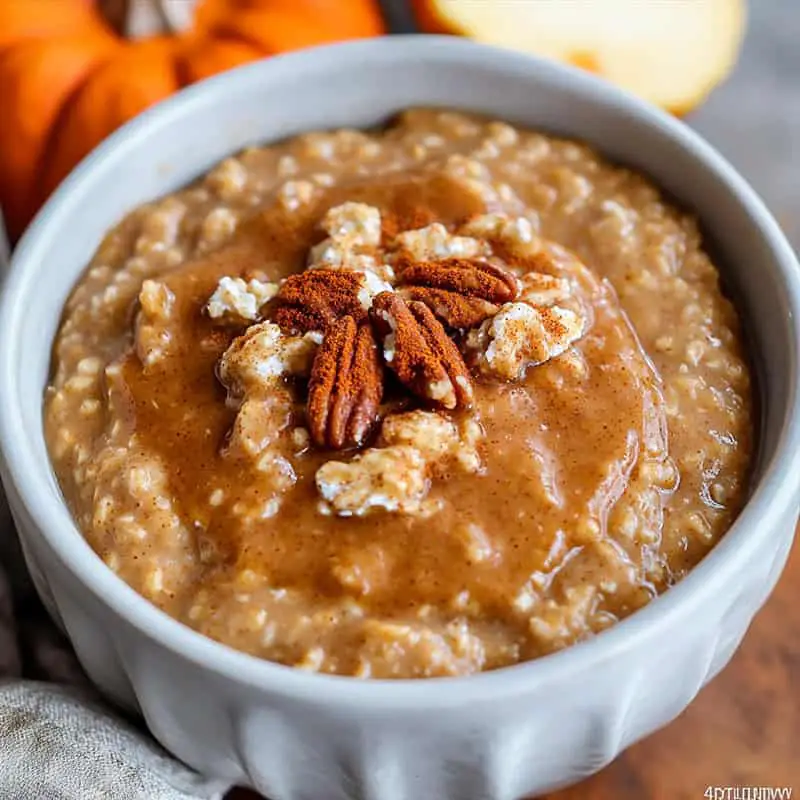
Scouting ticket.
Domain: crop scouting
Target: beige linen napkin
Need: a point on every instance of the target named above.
(61, 743)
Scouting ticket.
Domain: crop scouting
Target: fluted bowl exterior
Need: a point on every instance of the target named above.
(507, 734)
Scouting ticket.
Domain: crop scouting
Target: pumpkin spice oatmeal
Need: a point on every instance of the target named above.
(426, 401)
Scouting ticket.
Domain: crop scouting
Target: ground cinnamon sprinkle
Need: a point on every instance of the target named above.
(551, 323)
(407, 353)
(467, 276)
(445, 352)
(313, 300)
(538, 262)
(346, 386)
(394, 223)
(452, 308)
(366, 384)
(419, 352)
(337, 347)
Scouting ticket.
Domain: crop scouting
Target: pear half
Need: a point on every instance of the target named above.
(670, 52)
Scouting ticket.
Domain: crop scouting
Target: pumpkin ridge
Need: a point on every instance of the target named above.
(18, 195)
(62, 154)
(55, 128)
(274, 27)
(201, 57)
(34, 20)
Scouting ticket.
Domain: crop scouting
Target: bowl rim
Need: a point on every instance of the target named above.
(775, 496)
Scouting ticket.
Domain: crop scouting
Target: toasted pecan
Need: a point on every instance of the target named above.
(418, 350)
(445, 351)
(346, 386)
(453, 309)
(313, 300)
(470, 277)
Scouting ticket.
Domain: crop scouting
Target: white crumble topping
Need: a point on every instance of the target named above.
(439, 440)
(237, 298)
(436, 437)
(520, 335)
(372, 285)
(262, 355)
(433, 435)
(513, 230)
(356, 224)
(394, 475)
(436, 242)
(351, 228)
(392, 479)
(519, 234)
(538, 289)
(331, 253)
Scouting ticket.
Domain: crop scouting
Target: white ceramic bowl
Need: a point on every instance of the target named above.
(505, 734)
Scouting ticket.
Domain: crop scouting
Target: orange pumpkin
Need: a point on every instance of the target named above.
(68, 78)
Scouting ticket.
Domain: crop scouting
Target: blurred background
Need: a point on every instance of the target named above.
(69, 76)
(754, 117)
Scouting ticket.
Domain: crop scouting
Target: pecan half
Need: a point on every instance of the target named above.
(453, 309)
(346, 386)
(418, 350)
(314, 299)
(468, 276)
(461, 292)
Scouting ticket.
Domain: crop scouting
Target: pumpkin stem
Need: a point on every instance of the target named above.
(163, 18)
(137, 18)
(115, 13)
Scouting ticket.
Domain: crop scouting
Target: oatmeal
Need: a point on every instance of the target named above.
(419, 402)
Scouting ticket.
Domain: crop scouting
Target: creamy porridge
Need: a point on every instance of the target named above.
(426, 401)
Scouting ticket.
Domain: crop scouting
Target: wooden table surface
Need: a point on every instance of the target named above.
(742, 730)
